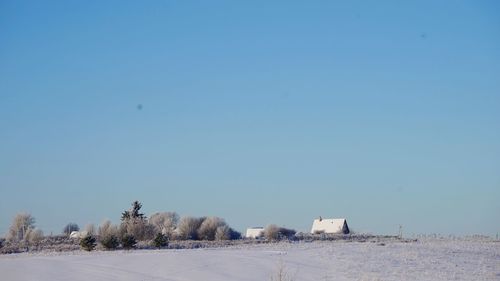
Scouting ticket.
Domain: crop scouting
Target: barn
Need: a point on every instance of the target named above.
(330, 226)
(254, 232)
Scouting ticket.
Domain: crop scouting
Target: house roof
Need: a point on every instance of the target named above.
(328, 225)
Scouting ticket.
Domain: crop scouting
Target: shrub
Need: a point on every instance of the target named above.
(128, 241)
(188, 228)
(2, 242)
(10, 248)
(110, 242)
(108, 235)
(21, 225)
(208, 228)
(271, 232)
(287, 233)
(70, 227)
(165, 222)
(274, 232)
(107, 229)
(226, 233)
(140, 229)
(223, 233)
(88, 243)
(34, 237)
(235, 234)
(160, 241)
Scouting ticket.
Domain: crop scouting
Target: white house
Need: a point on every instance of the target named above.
(336, 226)
(254, 232)
(78, 234)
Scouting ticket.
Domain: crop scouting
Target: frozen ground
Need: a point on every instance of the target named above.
(427, 260)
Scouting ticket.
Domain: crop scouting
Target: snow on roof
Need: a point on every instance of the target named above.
(330, 226)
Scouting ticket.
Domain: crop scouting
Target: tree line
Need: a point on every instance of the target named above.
(135, 228)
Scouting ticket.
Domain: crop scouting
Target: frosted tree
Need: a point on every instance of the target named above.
(188, 228)
(208, 228)
(135, 223)
(22, 224)
(165, 222)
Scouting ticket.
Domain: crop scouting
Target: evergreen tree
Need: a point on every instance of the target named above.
(110, 242)
(160, 240)
(128, 241)
(133, 213)
(88, 243)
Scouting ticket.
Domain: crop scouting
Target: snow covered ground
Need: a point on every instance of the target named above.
(426, 260)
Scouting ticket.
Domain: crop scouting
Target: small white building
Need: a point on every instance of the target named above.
(255, 232)
(330, 226)
(78, 234)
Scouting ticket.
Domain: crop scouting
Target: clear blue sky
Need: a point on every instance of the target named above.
(382, 112)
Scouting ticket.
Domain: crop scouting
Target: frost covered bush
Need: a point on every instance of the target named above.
(164, 222)
(205, 228)
(128, 241)
(107, 229)
(226, 233)
(70, 227)
(188, 228)
(108, 235)
(34, 237)
(208, 228)
(274, 232)
(223, 233)
(140, 229)
(21, 225)
(271, 232)
(88, 243)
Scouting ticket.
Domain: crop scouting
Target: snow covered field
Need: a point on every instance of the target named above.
(427, 260)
